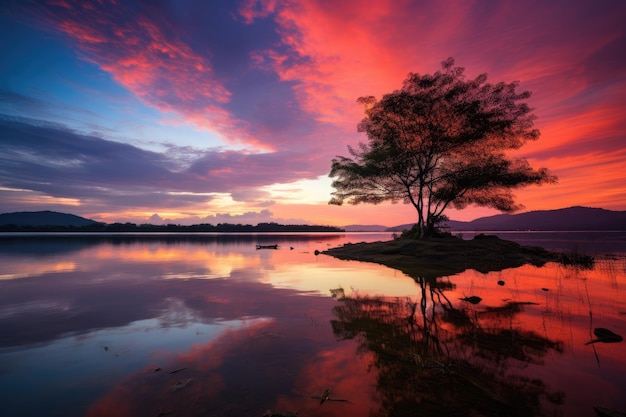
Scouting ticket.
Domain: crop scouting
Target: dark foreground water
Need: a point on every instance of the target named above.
(207, 325)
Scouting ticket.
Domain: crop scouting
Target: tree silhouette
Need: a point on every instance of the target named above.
(439, 142)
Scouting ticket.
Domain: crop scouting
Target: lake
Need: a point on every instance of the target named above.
(209, 325)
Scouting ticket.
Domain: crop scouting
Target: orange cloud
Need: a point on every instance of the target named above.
(330, 72)
(355, 50)
(593, 179)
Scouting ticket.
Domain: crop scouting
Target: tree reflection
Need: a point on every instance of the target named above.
(436, 358)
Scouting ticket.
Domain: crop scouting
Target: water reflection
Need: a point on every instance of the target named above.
(509, 351)
(443, 360)
(178, 325)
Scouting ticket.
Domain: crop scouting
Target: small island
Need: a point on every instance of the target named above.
(448, 255)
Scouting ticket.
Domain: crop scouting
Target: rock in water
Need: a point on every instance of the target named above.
(474, 299)
(608, 412)
(607, 336)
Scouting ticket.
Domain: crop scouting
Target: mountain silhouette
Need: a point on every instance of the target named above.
(43, 218)
(572, 218)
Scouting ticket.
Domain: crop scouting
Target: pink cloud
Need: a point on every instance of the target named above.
(253, 9)
(568, 56)
(329, 71)
(363, 49)
(159, 68)
(324, 57)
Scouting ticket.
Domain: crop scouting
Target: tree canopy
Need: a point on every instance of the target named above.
(440, 142)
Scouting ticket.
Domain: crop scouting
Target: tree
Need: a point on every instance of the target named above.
(440, 142)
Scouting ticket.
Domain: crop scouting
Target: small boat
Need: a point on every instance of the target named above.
(267, 246)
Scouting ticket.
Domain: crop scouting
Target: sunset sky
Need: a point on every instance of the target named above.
(192, 111)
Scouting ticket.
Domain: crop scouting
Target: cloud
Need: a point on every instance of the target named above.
(192, 62)
(569, 57)
(250, 217)
(55, 161)
(12, 102)
(48, 304)
(45, 157)
(20, 102)
(282, 78)
(253, 170)
(146, 57)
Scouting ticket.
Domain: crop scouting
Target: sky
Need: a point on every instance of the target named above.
(225, 111)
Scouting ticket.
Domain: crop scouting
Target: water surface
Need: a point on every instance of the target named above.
(155, 325)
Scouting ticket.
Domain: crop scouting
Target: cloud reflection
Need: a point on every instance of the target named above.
(241, 372)
(239, 330)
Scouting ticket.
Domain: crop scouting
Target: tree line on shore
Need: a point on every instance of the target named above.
(205, 227)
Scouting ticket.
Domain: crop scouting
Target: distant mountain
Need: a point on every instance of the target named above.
(43, 218)
(399, 228)
(365, 228)
(50, 221)
(572, 218)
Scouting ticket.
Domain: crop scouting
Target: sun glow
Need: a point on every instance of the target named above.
(306, 191)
